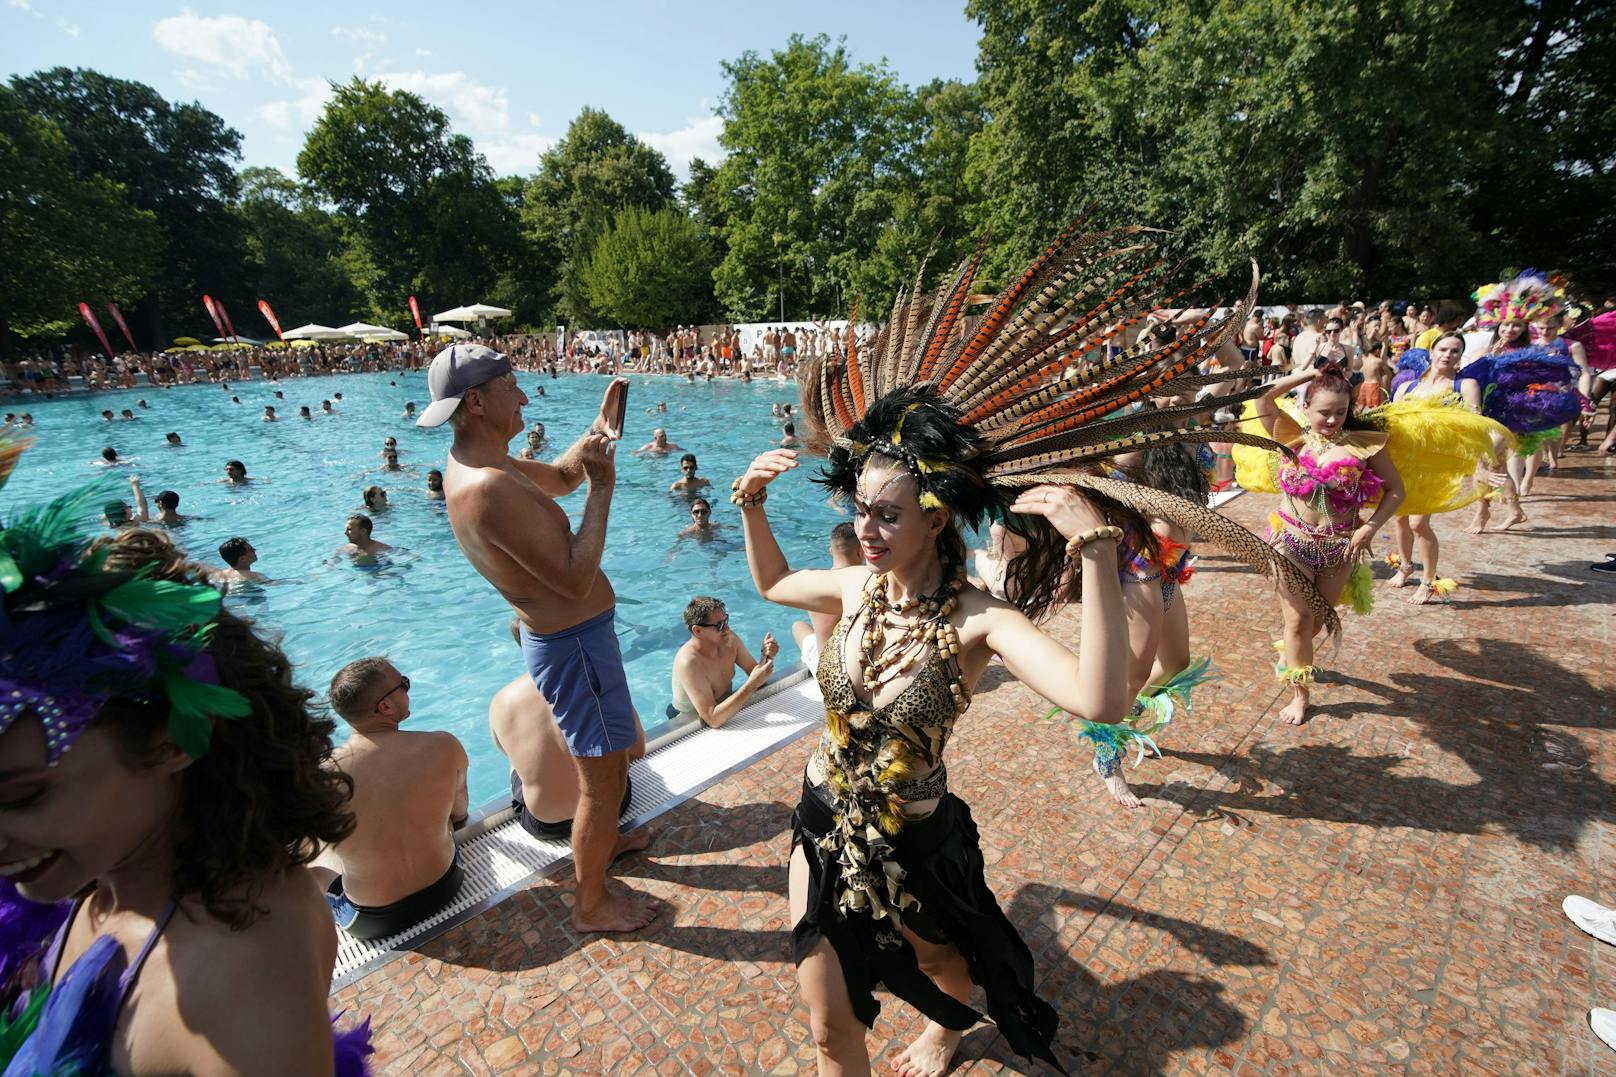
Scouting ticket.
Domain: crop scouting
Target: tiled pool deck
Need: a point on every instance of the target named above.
(1376, 891)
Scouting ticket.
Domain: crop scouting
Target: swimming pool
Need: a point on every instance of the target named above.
(424, 608)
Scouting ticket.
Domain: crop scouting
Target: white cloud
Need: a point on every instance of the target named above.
(474, 108)
(71, 29)
(229, 42)
(314, 94)
(697, 138)
(517, 155)
(363, 34)
(24, 4)
(533, 120)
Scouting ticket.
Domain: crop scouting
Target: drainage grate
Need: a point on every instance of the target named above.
(499, 857)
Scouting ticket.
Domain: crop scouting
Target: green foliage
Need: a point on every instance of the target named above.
(293, 252)
(583, 181)
(175, 161)
(1354, 148)
(650, 268)
(421, 213)
(820, 152)
(65, 238)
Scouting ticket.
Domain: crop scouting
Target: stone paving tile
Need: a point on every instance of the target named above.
(1375, 891)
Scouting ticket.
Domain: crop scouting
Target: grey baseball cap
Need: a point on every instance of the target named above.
(455, 369)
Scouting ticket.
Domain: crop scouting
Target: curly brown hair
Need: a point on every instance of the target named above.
(264, 798)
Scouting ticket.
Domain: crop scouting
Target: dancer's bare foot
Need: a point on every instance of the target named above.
(1400, 577)
(1516, 517)
(1422, 595)
(1478, 523)
(618, 912)
(1117, 786)
(931, 1055)
(633, 841)
(1296, 711)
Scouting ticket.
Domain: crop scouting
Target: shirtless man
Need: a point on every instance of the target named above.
(168, 510)
(434, 485)
(790, 440)
(509, 527)
(544, 781)
(360, 546)
(812, 633)
(704, 668)
(688, 481)
(659, 445)
(238, 556)
(400, 865)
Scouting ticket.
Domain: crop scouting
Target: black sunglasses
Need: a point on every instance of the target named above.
(403, 682)
(722, 626)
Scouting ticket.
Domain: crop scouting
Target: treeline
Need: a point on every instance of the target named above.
(1357, 149)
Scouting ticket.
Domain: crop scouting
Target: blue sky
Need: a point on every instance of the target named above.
(509, 75)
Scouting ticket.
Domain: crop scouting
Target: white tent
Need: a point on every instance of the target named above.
(237, 340)
(366, 331)
(475, 312)
(316, 332)
(448, 331)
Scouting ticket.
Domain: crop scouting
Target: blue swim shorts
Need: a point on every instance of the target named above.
(580, 671)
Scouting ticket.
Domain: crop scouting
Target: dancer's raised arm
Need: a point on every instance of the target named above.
(1093, 683)
(818, 590)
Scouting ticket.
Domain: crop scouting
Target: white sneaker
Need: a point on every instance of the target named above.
(1603, 1022)
(1592, 917)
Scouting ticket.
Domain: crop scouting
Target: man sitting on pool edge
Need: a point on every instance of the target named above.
(401, 864)
(544, 780)
(704, 667)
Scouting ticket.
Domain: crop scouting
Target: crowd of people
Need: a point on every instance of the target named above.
(1088, 449)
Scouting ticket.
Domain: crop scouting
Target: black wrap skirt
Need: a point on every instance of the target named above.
(942, 858)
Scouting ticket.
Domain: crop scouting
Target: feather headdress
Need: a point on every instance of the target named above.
(1527, 297)
(1037, 387)
(73, 633)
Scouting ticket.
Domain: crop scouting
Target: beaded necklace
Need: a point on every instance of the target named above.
(929, 625)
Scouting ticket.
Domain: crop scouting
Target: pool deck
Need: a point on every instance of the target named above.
(1376, 891)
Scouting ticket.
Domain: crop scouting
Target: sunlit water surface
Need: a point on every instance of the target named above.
(423, 607)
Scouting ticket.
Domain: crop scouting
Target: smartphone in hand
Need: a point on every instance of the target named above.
(622, 412)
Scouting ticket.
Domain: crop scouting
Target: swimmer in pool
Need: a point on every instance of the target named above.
(659, 445)
(434, 485)
(688, 482)
(704, 667)
(238, 556)
(360, 546)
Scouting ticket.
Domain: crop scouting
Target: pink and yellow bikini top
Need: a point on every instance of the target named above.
(1341, 485)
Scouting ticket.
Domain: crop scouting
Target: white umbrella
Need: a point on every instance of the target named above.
(449, 331)
(366, 331)
(316, 332)
(472, 313)
(236, 340)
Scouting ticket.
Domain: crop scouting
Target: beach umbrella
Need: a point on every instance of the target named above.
(248, 341)
(313, 331)
(474, 312)
(185, 342)
(449, 332)
(301, 343)
(372, 333)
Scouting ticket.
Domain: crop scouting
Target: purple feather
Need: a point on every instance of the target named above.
(350, 1048)
(26, 928)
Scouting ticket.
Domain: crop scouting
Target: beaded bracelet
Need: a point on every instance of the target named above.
(743, 500)
(1075, 544)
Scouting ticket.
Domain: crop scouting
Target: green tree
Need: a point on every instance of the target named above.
(596, 170)
(651, 268)
(1399, 146)
(66, 239)
(177, 161)
(293, 251)
(818, 150)
(421, 211)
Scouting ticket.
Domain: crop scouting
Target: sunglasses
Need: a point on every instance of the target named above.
(403, 683)
(722, 626)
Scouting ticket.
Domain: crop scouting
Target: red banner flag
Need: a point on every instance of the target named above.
(117, 316)
(269, 316)
(213, 312)
(416, 310)
(89, 316)
(230, 329)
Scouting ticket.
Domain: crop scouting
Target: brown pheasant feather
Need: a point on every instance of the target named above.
(945, 315)
(1211, 527)
(1040, 462)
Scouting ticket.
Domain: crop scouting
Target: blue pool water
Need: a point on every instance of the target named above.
(425, 608)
